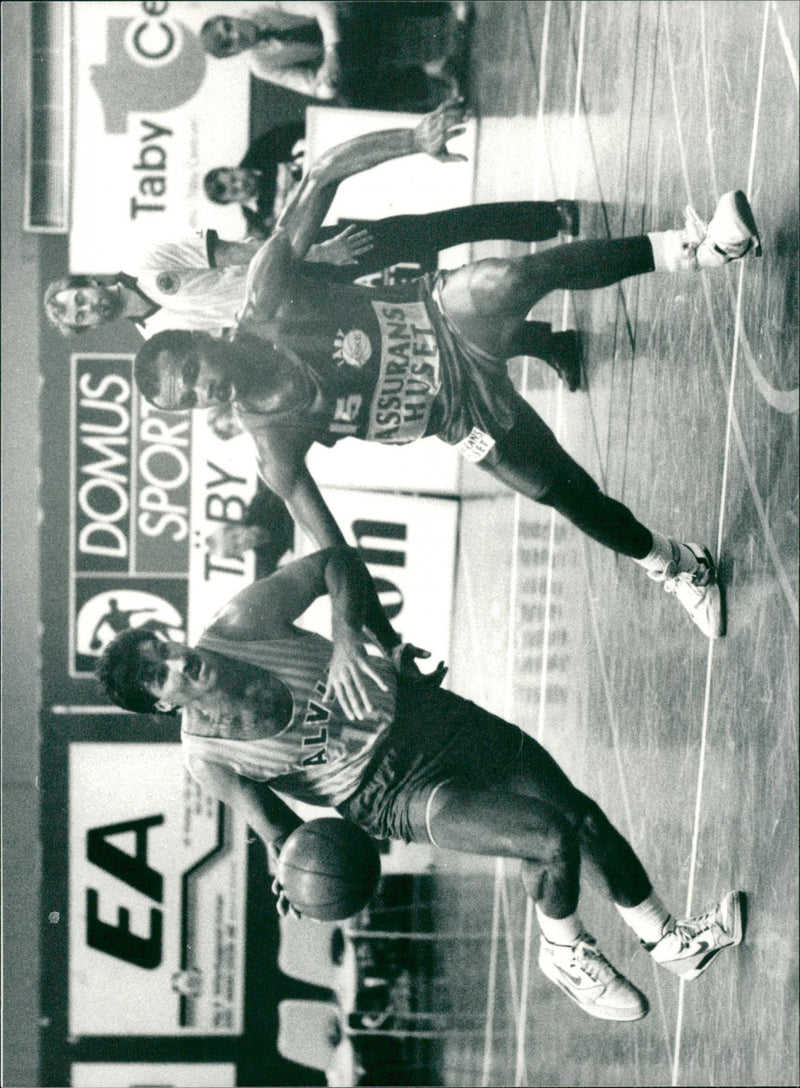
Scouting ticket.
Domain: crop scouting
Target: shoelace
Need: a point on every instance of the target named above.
(670, 576)
(590, 961)
(688, 930)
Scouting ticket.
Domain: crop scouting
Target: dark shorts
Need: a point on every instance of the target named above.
(477, 397)
(437, 737)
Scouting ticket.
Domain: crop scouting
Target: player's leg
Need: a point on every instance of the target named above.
(610, 861)
(419, 238)
(499, 822)
(560, 350)
(513, 221)
(685, 946)
(487, 300)
(533, 462)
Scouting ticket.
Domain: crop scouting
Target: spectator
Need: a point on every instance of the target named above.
(266, 529)
(271, 167)
(342, 52)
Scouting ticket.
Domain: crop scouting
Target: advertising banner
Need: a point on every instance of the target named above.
(146, 488)
(156, 890)
(409, 545)
(155, 113)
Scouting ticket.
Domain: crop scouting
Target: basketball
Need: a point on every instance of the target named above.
(329, 868)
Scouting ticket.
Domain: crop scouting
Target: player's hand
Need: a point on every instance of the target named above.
(436, 128)
(283, 906)
(345, 248)
(404, 660)
(351, 666)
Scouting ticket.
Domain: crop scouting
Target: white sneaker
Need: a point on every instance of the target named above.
(586, 976)
(731, 234)
(698, 590)
(692, 945)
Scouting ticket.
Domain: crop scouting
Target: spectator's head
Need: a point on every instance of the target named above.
(126, 667)
(177, 369)
(225, 35)
(231, 185)
(232, 540)
(77, 303)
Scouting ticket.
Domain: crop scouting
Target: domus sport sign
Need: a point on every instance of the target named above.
(146, 487)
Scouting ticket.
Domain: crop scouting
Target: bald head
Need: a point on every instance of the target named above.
(179, 370)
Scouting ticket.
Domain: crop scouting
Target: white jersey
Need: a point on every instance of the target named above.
(180, 277)
(320, 756)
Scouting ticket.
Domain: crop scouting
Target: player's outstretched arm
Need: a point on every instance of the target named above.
(304, 215)
(282, 467)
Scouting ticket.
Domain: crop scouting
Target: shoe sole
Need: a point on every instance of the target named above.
(738, 908)
(745, 213)
(569, 362)
(598, 1011)
(718, 612)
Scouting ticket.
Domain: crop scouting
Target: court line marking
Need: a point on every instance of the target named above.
(622, 301)
(521, 1069)
(613, 726)
(492, 980)
(785, 396)
(747, 468)
(723, 488)
(543, 676)
(787, 46)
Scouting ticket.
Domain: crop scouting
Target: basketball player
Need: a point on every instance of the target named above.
(200, 282)
(419, 764)
(319, 362)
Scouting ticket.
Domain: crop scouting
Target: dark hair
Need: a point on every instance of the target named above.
(54, 312)
(207, 38)
(118, 671)
(212, 187)
(146, 368)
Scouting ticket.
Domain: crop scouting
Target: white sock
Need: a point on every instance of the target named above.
(665, 551)
(669, 253)
(560, 930)
(648, 919)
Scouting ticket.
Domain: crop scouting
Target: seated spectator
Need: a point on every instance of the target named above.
(268, 172)
(266, 529)
(338, 52)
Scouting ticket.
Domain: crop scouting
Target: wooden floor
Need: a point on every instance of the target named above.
(690, 415)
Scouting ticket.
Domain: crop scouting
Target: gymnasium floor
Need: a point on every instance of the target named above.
(689, 414)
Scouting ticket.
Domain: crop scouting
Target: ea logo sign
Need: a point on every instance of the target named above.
(153, 63)
(106, 614)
